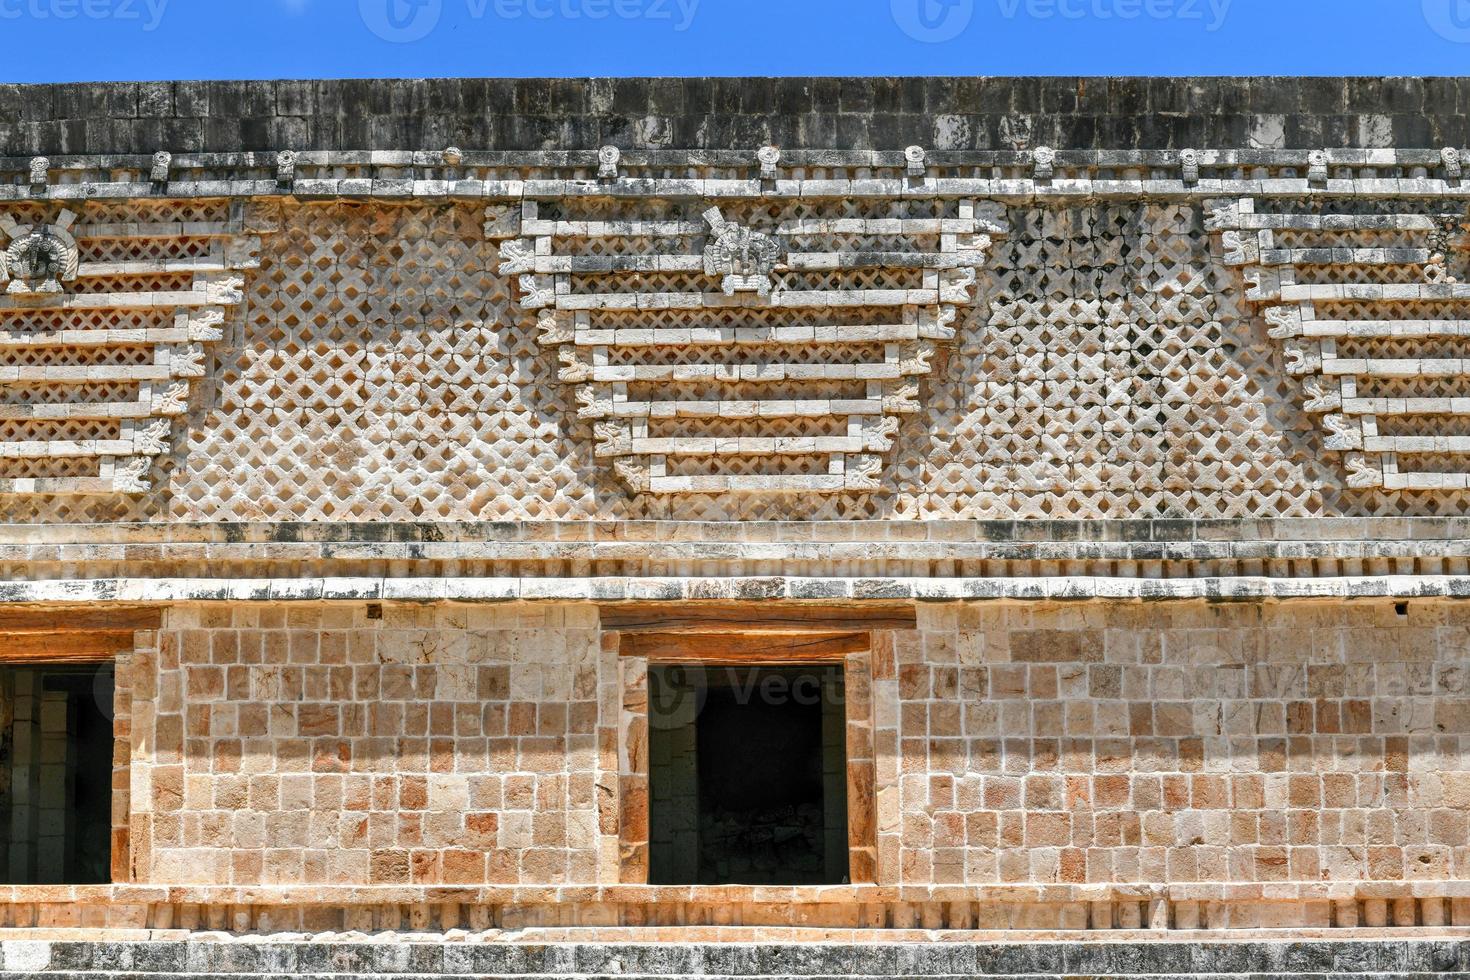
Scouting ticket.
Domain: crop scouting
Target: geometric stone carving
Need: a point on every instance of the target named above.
(770, 351)
(1366, 303)
(103, 326)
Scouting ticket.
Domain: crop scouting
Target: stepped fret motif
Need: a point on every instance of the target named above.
(746, 346)
(103, 325)
(1366, 299)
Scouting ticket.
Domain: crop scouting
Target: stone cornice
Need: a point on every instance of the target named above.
(1074, 588)
(1023, 176)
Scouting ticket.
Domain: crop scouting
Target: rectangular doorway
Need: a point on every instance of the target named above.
(747, 775)
(56, 753)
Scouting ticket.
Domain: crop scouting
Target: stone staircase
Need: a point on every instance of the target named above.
(388, 960)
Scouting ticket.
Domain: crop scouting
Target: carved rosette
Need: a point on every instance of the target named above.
(720, 347)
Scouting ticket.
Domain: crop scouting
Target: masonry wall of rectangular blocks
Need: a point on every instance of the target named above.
(1090, 744)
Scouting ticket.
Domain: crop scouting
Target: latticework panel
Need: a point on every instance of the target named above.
(384, 371)
(105, 321)
(1367, 301)
(746, 282)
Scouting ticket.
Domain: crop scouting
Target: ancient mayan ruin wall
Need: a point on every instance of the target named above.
(1108, 435)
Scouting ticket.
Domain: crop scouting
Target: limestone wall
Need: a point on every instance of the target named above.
(1171, 744)
(1178, 743)
(311, 745)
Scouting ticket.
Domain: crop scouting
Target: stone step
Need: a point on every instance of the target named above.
(812, 961)
(131, 975)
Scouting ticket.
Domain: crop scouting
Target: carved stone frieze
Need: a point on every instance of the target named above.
(1365, 298)
(104, 325)
(738, 346)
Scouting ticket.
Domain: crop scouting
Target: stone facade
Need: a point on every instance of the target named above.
(1117, 470)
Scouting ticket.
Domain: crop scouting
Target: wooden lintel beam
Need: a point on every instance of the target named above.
(53, 620)
(60, 648)
(742, 648)
(777, 618)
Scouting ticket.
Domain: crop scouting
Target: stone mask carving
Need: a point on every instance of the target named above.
(39, 262)
(744, 257)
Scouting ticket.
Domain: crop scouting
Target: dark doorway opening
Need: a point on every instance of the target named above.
(747, 775)
(56, 744)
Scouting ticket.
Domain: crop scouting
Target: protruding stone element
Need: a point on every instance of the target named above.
(1189, 166)
(453, 156)
(223, 290)
(556, 327)
(903, 400)
(1043, 162)
(206, 326)
(592, 403)
(607, 162)
(1302, 358)
(187, 362)
(517, 256)
(916, 161)
(537, 292)
(1362, 474)
(613, 438)
(173, 401)
(39, 260)
(1222, 213)
(162, 161)
(1320, 398)
(768, 157)
(576, 365)
(1449, 158)
(635, 474)
(1240, 248)
(1317, 167)
(1342, 434)
(1285, 321)
(878, 438)
(152, 438)
(128, 475)
(744, 258)
(39, 172)
(285, 168)
(957, 285)
(863, 473)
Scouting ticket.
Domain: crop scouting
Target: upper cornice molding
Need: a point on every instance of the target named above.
(964, 113)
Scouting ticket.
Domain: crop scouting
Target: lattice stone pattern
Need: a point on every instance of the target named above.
(382, 367)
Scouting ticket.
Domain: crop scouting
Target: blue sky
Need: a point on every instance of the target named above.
(74, 40)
